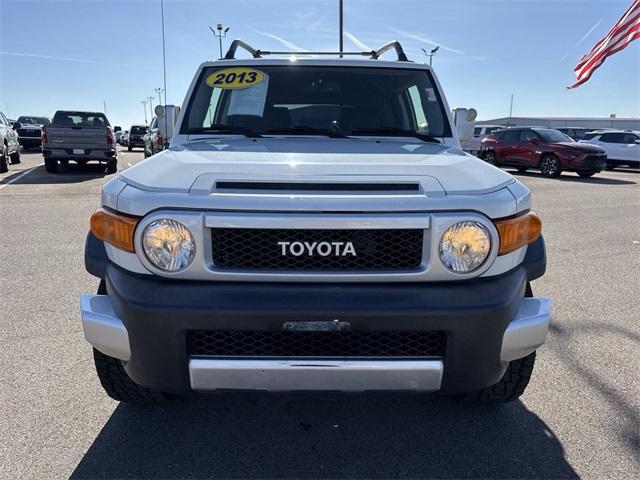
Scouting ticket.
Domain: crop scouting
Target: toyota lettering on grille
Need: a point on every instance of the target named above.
(323, 249)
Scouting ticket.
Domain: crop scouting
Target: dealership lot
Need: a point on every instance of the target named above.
(579, 417)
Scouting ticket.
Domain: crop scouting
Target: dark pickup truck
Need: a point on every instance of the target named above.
(81, 137)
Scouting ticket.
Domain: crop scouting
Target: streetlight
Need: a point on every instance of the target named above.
(430, 55)
(159, 91)
(220, 32)
(144, 104)
(151, 104)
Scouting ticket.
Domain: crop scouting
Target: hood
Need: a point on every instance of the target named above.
(581, 147)
(202, 162)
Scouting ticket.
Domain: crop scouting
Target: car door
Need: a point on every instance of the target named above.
(527, 150)
(630, 148)
(507, 146)
(612, 143)
(9, 134)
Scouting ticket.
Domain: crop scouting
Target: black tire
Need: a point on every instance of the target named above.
(522, 169)
(586, 174)
(117, 384)
(4, 159)
(514, 381)
(129, 148)
(512, 384)
(51, 165)
(112, 166)
(15, 157)
(610, 166)
(490, 157)
(550, 166)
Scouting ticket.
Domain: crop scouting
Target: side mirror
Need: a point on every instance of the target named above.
(17, 125)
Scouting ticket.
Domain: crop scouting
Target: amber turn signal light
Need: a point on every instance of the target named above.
(114, 228)
(516, 232)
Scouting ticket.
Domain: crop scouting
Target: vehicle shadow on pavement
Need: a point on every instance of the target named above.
(259, 435)
(572, 177)
(69, 174)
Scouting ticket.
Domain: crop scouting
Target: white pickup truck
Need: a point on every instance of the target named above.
(314, 225)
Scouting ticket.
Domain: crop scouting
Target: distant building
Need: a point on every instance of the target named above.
(554, 122)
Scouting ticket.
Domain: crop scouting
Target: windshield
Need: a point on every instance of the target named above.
(302, 100)
(554, 136)
(33, 120)
(80, 119)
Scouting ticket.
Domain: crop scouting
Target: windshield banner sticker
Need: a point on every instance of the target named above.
(235, 78)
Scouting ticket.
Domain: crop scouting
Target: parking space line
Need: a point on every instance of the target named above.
(15, 179)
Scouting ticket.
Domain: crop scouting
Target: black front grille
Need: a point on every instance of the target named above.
(259, 249)
(29, 132)
(361, 344)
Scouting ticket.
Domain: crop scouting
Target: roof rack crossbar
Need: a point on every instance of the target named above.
(374, 54)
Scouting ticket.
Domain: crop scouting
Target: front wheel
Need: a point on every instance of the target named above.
(4, 159)
(512, 384)
(129, 148)
(490, 157)
(118, 385)
(15, 157)
(550, 166)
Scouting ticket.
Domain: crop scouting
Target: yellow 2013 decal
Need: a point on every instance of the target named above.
(236, 77)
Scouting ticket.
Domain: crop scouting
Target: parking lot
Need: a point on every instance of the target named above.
(579, 417)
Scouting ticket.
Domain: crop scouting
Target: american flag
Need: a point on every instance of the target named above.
(622, 34)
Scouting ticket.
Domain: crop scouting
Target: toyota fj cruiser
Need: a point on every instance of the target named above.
(314, 225)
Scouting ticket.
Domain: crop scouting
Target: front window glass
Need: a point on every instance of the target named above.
(554, 136)
(33, 120)
(312, 99)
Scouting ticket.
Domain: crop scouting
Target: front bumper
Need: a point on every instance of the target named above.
(589, 163)
(30, 142)
(146, 321)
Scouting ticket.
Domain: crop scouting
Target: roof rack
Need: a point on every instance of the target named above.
(373, 54)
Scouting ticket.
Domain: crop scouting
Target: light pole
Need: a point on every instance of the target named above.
(144, 104)
(104, 104)
(159, 91)
(151, 104)
(430, 55)
(220, 32)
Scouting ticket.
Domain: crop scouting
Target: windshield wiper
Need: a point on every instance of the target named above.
(425, 137)
(221, 128)
(302, 130)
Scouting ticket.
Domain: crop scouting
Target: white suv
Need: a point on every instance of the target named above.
(314, 225)
(623, 147)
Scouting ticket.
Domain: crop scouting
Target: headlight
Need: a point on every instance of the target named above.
(168, 245)
(465, 246)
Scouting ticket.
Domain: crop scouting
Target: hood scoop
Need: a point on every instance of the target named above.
(328, 187)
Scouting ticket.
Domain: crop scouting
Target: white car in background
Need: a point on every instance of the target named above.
(622, 146)
(473, 145)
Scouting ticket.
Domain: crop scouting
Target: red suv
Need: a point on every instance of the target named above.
(545, 149)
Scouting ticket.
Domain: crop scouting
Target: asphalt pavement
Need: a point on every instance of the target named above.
(580, 416)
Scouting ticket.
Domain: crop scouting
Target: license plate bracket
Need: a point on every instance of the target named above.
(330, 326)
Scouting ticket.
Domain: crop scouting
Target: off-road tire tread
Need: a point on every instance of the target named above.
(119, 386)
(511, 386)
(51, 166)
(15, 157)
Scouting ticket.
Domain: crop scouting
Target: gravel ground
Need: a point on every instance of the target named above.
(580, 416)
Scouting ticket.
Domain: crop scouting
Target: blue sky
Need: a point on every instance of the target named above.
(77, 54)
